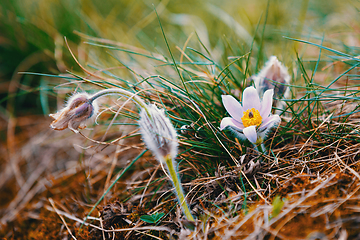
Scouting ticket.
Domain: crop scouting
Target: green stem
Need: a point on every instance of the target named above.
(119, 91)
(177, 184)
(260, 148)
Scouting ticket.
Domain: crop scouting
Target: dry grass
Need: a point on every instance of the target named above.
(317, 181)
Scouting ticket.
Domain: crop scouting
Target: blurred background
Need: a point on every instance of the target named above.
(32, 36)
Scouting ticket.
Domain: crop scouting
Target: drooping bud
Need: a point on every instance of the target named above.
(158, 133)
(77, 111)
(82, 106)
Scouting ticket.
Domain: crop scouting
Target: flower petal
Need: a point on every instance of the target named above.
(233, 107)
(250, 99)
(73, 125)
(56, 115)
(250, 133)
(61, 119)
(228, 121)
(266, 103)
(238, 133)
(270, 122)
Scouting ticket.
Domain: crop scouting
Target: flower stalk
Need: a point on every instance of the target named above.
(160, 137)
(170, 164)
(118, 91)
(260, 148)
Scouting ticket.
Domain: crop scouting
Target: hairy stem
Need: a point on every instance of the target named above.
(119, 91)
(260, 148)
(178, 188)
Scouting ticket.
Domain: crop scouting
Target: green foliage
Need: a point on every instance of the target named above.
(277, 205)
(153, 218)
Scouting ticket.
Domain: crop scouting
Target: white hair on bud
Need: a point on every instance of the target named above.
(158, 133)
(274, 75)
(75, 114)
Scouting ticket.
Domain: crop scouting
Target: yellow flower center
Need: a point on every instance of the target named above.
(251, 118)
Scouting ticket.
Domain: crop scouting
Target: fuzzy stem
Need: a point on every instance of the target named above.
(119, 91)
(177, 184)
(255, 147)
(260, 148)
(263, 148)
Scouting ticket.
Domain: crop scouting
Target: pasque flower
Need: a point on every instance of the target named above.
(83, 106)
(273, 75)
(158, 133)
(78, 110)
(160, 137)
(251, 119)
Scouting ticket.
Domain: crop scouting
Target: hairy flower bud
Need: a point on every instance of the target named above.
(158, 133)
(77, 111)
(273, 75)
(160, 137)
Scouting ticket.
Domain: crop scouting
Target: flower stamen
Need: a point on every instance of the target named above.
(251, 117)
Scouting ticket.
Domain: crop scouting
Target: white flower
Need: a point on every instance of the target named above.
(77, 111)
(158, 133)
(252, 118)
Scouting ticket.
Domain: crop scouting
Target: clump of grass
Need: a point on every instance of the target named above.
(309, 127)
